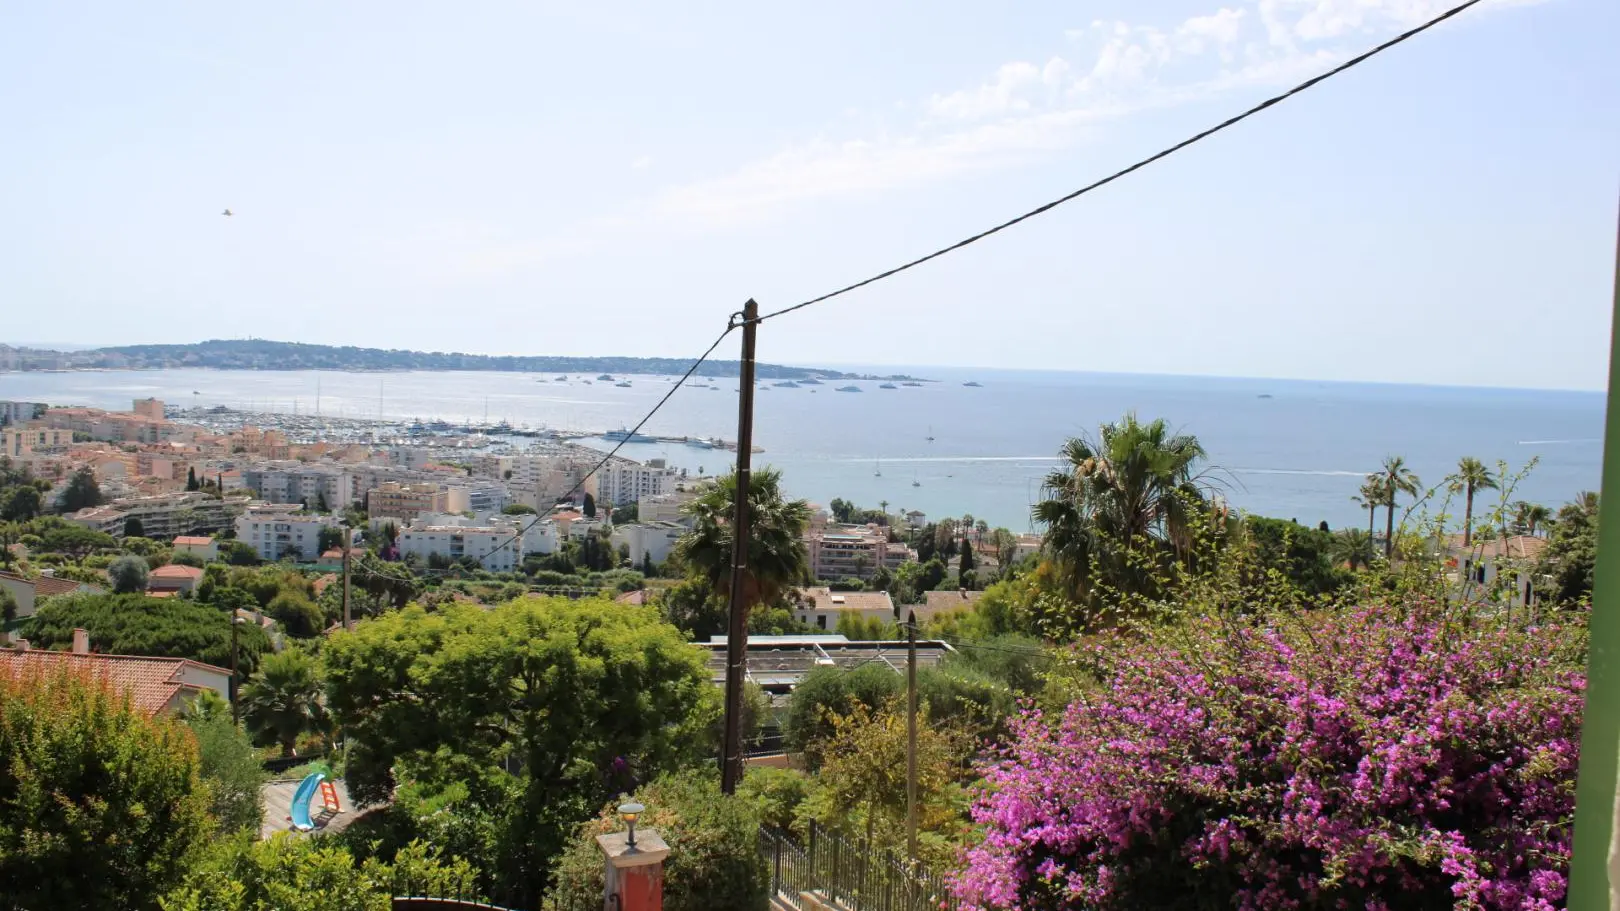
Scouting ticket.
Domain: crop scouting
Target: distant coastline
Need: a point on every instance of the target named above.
(259, 354)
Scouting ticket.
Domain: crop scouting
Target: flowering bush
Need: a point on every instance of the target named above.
(1374, 757)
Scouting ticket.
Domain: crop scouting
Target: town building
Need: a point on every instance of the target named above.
(496, 548)
(21, 440)
(28, 592)
(296, 482)
(155, 686)
(822, 608)
(1498, 569)
(275, 531)
(940, 604)
(622, 481)
(20, 412)
(202, 547)
(393, 500)
(161, 515)
(777, 664)
(853, 551)
(152, 409)
(174, 577)
(655, 540)
(666, 507)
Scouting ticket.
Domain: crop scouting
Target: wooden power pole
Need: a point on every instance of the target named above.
(911, 736)
(731, 751)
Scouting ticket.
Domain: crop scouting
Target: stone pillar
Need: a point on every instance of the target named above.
(635, 873)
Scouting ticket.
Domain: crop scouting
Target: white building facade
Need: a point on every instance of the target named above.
(275, 532)
(622, 481)
(497, 548)
(648, 539)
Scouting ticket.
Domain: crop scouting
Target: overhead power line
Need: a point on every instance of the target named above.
(1165, 153)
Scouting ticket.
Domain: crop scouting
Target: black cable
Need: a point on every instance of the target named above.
(730, 325)
(1197, 137)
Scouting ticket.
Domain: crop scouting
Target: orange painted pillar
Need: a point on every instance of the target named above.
(635, 873)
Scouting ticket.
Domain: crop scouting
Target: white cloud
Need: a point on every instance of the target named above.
(1025, 111)
(641, 163)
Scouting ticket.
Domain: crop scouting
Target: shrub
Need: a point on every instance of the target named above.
(137, 625)
(230, 768)
(777, 795)
(835, 691)
(99, 805)
(1379, 757)
(714, 862)
(128, 574)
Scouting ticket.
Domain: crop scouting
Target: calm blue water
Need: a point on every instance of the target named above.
(1300, 454)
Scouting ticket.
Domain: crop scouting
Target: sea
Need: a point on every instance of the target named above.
(1285, 448)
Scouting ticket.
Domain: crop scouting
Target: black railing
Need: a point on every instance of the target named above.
(848, 873)
(442, 892)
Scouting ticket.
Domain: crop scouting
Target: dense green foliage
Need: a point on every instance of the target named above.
(128, 574)
(137, 625)
(537, 711)
(714, 862)
(831, 691)
(228, 764)
(776, 552)
(81, 492)
(1304, 555)
(1570, 558)
(282, 701)
(99, 805)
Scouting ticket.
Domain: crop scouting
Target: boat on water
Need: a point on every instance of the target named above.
(606, 377)
(627, 436)
(811, 381)
(849, 389)
(930, 433)
(700, 443)
(910, 384)
(877, 469)
(974, 383)
(786, 384)
(888, 386)
(916, 483)
(623, 384)
(561, 379)
(1265, 395)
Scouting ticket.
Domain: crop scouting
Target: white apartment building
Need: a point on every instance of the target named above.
(20, 412)
(299, 483)
(840, 551)
(497, 548)
(622, 481)
(163, 515)
(655, 539)
(275, 531)
(666, 507)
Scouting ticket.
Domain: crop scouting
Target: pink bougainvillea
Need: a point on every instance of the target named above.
(1367, 758)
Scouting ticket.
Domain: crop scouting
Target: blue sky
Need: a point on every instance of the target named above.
(539, 178)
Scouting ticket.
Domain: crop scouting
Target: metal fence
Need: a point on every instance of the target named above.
(444, 893)
(849, 873)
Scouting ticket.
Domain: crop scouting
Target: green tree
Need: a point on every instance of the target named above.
(1371, 496)
(191, 479)
(590, 506)
(242, 873)
(541, 709)
(1397, 479)
(628, 514)
(328, 539)
(128, 574)
(1471, 477)
(1528, 518)
(829, 691)
(239, 553)
(1354, 548)
(100, 806)
(229, 766)
(138, 625)
(75, 541)
(967, 563)
(1570, 557)
(1303, 555)
(777, 558)
(283, 700)
(133, 528)
(517, 509)
(21, 503)
(1121, 505)
(82, 491)
(8, 607)
(297, 614)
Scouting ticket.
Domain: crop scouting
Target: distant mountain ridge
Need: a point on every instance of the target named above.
(260, 354)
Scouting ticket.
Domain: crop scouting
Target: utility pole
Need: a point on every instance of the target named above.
(911, 736)
(741, 587)
(348, 535)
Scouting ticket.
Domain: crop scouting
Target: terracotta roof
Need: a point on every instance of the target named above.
(194, 540)
(175, 571)
(321, 582)
(569, 516)
(949, 601)
(50, 585)
(151, 683)
(828, 600)
(1524, 546)
(162, 594)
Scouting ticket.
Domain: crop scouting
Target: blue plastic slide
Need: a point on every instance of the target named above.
(300, 802)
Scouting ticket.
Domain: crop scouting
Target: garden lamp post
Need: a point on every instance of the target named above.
(629, 812)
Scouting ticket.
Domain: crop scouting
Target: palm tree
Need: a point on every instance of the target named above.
(1471, 476)
(1353, 547)
(776, 554)
(1528, 517)
(884, 506)
(1135, 489)
(1397, 479)
(283, 700)
(1371, 497)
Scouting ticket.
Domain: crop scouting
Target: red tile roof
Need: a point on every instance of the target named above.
(194, 540)
(50, 585)
(151, 683)
(175, 571)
